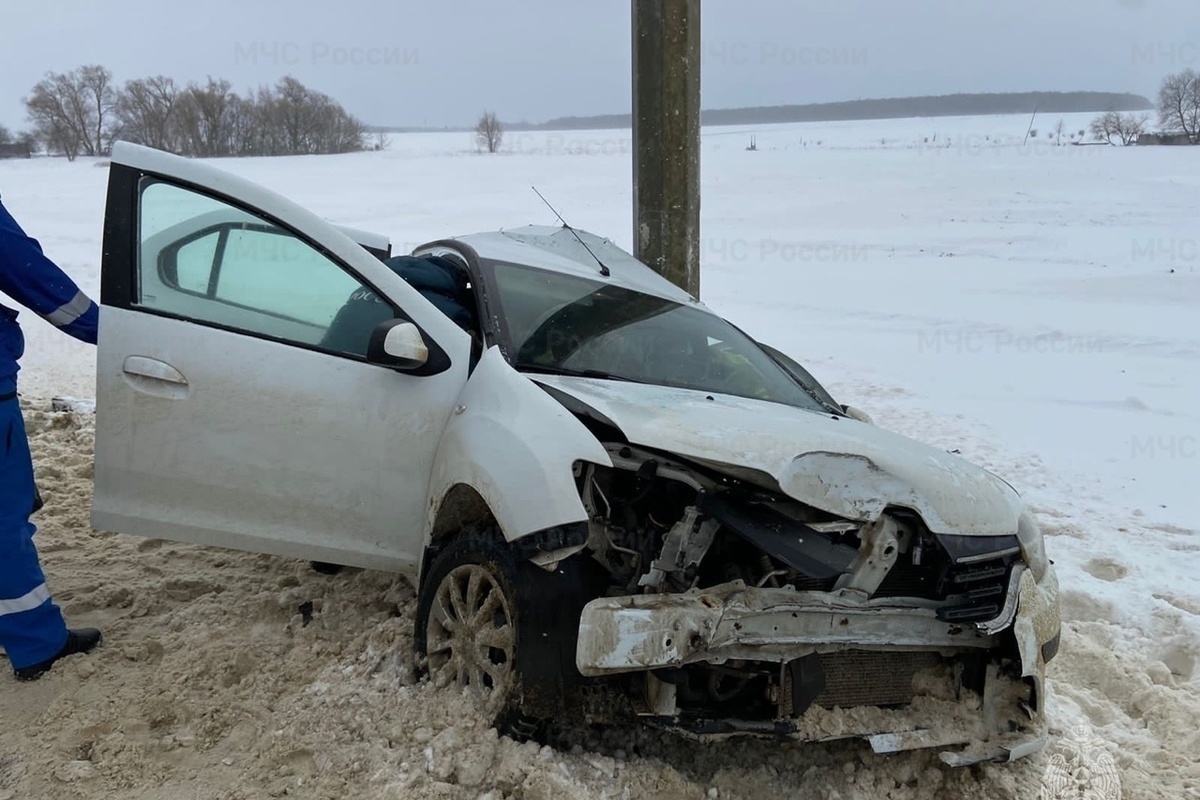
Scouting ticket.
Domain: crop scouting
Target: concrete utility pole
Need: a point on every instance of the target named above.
(666, 137)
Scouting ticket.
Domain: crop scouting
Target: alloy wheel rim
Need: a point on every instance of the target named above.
(470, 638)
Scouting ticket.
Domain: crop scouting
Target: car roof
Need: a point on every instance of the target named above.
(559, 249)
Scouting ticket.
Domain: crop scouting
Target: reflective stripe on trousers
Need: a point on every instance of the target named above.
(31, 626)
(27, 602)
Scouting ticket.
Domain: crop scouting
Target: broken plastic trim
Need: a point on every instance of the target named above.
(550, 540)
(972, 549)
(1009, 611)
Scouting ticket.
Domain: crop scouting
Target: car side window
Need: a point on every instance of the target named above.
(208, 261)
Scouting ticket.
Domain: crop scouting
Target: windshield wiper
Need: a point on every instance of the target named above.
(542, 369)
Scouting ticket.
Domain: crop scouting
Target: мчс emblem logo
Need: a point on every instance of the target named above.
(1081, 769)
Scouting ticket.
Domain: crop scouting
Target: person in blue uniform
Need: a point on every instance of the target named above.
(32, 631)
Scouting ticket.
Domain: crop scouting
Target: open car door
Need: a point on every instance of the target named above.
(236, 402)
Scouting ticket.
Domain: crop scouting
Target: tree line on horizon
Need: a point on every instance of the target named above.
(962, 104)
(82, 112)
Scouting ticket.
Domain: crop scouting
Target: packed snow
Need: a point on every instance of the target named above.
(1029, 304)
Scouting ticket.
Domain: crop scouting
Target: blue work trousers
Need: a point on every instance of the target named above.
(32, 629)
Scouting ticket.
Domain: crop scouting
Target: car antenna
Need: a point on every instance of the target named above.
(603, 269)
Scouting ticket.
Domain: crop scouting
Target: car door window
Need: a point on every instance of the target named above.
(214, 263)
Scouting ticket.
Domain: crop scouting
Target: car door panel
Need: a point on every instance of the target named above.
(266, 447)
(225, 431)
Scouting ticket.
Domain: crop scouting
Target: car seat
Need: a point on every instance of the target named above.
(439, 280)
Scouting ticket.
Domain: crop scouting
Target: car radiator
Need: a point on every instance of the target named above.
(857, 678)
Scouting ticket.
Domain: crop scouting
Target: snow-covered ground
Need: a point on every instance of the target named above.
(1034, 306)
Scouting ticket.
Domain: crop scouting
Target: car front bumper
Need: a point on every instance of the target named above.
(734, 622)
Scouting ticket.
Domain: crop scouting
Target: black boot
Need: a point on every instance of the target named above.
(83, 640)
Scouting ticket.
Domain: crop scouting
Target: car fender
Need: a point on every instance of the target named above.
(515, 446)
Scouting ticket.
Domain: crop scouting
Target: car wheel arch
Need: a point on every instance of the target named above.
(544, 607)
(461, 508)
(511, 448)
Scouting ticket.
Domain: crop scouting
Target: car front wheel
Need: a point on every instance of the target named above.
(468, 623)
(502, 629)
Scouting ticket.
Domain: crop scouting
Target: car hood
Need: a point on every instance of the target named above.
(839, 465)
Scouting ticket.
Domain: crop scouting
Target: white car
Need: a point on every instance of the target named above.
(612, 501)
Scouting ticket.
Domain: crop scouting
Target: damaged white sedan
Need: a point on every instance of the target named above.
(613, 502)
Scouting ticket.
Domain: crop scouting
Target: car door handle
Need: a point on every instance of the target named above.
(155, 378)
(153, 369)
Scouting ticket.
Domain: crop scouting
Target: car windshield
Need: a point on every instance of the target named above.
(570, 325)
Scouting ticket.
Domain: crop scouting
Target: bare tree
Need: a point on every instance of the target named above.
(146, 113)
(1059, 130)
(244, 134)
(50, 109)
(72, 111)
(97, 90)
(381, 141)
(293, 109)
(1179, 104)
(489, 133)
(262, 135)
(1116, 128)
(6, 136)
(333, 129)
(207, 118)
(1104, 127)
(1134, 125)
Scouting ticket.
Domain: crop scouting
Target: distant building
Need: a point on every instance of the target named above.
(1164, 139)
(16, 150)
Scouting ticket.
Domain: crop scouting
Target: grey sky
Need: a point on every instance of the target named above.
(414, 62)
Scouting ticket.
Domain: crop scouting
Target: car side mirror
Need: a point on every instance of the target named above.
(398, 344)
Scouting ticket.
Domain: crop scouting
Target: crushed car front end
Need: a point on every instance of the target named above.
(758, 560)
(753, 613)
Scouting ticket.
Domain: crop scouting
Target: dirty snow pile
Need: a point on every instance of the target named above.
(1007, 303)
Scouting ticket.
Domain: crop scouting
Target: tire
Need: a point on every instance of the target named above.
(529, 629)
